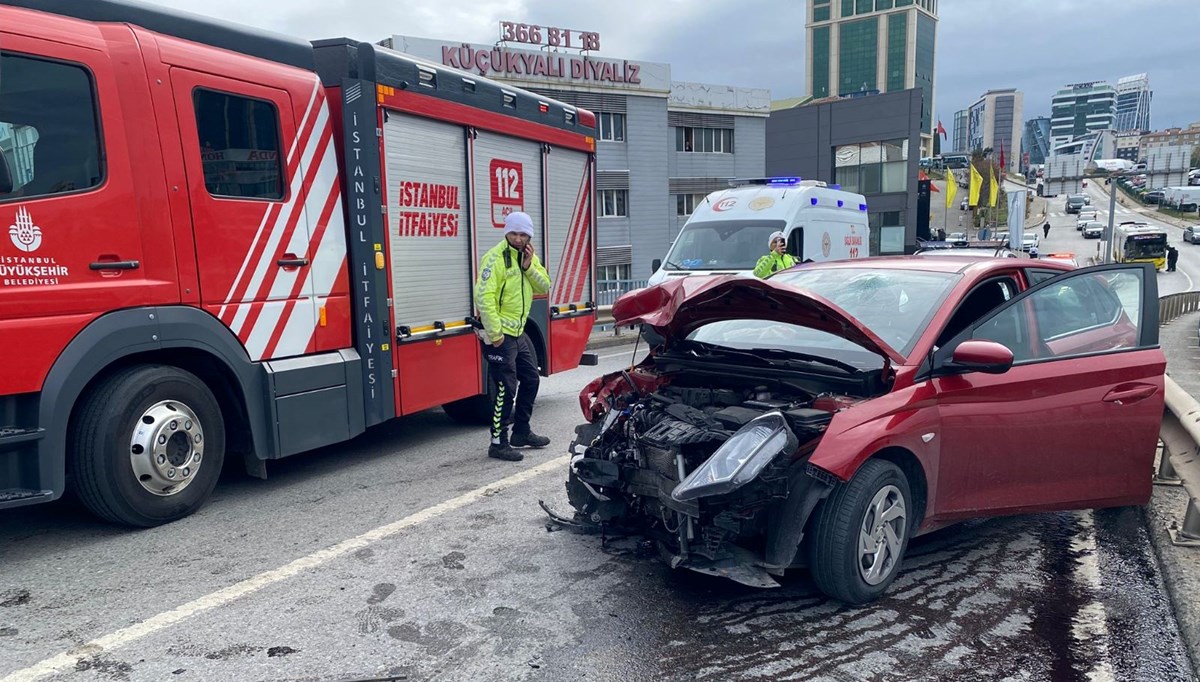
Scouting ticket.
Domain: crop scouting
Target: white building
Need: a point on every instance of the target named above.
(995, 121)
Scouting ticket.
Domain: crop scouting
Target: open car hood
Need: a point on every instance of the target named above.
(677, 307)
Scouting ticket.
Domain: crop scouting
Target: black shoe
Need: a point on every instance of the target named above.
(529, 440)
(504, 452)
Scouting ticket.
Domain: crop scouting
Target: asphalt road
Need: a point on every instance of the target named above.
(407, 554)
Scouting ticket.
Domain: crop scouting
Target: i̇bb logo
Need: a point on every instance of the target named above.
(24, 234)
(725, 204)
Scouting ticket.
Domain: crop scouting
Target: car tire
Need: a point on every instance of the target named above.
(146, 446)
(836, 556)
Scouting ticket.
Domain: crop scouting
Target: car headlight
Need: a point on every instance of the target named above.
(740, 459)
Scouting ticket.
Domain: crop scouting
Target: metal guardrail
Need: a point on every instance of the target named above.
(1179, 461)
(609, 290)
(1172, 306)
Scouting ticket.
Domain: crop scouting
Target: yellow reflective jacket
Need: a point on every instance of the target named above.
(773, 262)
(504, 293)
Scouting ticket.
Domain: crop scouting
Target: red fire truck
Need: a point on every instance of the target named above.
(224, 242)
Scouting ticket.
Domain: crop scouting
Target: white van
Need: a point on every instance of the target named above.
(727, 232)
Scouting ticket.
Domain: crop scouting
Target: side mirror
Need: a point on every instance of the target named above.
(655, 265)
(6, 178)
(988, 357)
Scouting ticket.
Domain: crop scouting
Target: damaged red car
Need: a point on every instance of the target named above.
(827, 415)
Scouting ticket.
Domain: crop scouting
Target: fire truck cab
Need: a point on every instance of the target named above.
(224, 242)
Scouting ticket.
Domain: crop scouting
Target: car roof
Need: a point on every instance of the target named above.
(963, 264)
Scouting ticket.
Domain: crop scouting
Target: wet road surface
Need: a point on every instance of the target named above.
(478, 589)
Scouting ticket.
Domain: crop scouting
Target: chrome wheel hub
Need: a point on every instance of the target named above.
(167, 448)
(881, 535)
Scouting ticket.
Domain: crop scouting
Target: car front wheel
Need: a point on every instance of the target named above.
(860, 534)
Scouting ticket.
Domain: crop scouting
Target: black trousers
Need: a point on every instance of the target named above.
(514, 375)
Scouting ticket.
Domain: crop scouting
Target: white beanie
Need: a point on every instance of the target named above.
(519, 222)
(776, 235)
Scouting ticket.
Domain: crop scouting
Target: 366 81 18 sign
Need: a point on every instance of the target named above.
(508, 189)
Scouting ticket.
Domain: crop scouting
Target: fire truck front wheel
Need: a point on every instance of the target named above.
(147, 444)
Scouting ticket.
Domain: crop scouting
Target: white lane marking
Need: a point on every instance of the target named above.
(68, 659)
(1091, 623)
(1189, 279)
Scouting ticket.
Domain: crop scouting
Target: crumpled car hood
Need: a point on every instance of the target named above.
(679, 306)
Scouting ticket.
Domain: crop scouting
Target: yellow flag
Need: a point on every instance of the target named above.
(976, 186)
(993, 189)
(951, 188)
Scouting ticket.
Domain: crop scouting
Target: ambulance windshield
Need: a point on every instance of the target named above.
(721, 244)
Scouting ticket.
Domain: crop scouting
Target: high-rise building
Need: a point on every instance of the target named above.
(857, 46)
(961, 130)
(994, 122)
(1079, 109)
(1036, 141)
(1133, 104)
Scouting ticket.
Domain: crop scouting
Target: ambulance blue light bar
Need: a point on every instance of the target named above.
(783, 181)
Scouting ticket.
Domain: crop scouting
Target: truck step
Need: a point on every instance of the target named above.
(11, 435)
(11, 495)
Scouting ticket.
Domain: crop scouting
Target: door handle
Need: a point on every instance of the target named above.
(291, 262)
(115, 265)
(1130, 394)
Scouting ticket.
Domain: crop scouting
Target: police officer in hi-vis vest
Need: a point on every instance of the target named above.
(509, 277)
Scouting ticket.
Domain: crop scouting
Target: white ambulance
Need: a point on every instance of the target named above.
(727, 233)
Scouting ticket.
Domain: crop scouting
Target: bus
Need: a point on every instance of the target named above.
(1135, 242)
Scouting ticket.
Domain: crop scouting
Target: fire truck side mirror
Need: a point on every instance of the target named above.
(6, 179)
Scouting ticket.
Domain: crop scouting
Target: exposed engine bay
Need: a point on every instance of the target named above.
(717, 478)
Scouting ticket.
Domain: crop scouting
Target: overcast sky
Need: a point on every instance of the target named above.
(1036, 46)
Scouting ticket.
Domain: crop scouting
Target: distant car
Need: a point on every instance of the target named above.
(956, 237)
(1094, 229)
(1029, 241)
(1154, 196)
(1085, 216)
(1001, 237)
(1075, 203)
(1191, 234)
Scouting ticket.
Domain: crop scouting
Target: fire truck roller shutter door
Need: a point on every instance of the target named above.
(508, 178)
(428, 232)
(568, 256)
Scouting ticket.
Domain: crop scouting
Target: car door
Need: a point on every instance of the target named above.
(1074, 422)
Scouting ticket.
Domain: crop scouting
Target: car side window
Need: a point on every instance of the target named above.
(49, 128)
(239, 139)
(983, 299)
(1088, 313)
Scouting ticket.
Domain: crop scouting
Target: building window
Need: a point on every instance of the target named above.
(613, 203)
(820, 61)
(858, 46)
(609, 273)
(847, 8)
(897, 44)
(923, 71)
(872, 167)
(239, 146)
(612, 127)
(821, 10)
(49, 132)
(887, 233)
(865, 6)
(685, 204)
(707, 140)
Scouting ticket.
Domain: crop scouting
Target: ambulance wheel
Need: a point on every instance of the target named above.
(146, 446)
(473, 411)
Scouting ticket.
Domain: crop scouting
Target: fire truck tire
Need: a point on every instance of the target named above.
(146, 446)
(473, 411)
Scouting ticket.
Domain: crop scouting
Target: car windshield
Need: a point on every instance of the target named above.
(896, 305)
(721, 244)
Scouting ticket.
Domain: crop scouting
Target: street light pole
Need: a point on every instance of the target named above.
(1112, 215)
